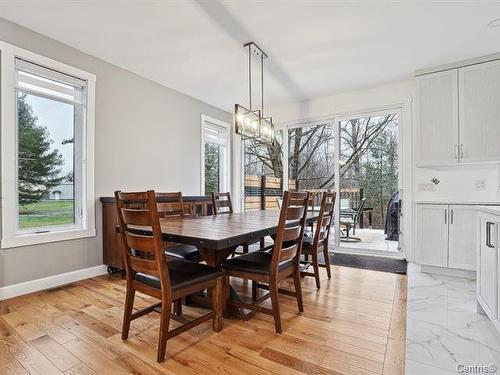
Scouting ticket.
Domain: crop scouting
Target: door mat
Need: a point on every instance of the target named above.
(368, 262)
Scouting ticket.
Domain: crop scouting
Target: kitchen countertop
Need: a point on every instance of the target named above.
(489, 209)
(457, 202)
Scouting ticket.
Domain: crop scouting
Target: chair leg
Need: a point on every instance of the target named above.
(245, 249)
(254, 291)
(217, 300)
(127, 315)
(178, 307)
(273, 289)
(164, 324)
(326, 255)
(298, 290)
(306, 257)
(262, 242)
(316, 268)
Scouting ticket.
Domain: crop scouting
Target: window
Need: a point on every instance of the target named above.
(214, 155)
(263, 173)
(47, 149)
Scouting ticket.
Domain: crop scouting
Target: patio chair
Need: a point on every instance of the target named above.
(349, 219)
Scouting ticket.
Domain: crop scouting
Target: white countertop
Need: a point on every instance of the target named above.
(495, 210)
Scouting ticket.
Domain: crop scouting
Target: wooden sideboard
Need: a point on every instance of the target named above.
(111, 239)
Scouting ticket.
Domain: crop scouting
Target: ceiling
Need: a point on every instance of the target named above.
(315, 48)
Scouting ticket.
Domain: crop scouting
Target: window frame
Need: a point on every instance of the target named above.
(83, 151)
(226, 169)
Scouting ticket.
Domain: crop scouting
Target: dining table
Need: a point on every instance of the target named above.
(218, 236)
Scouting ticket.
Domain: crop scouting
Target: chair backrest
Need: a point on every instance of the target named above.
(325, 218)
(143, 250)
(288, 241)
(170, 205)
(222, 203)
(359, 210)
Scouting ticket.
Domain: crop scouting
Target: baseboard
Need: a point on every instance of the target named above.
(448, 271)
(31, 286)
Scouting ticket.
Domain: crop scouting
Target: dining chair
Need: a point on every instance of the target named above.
(148, 271)
(281, 261)
(319, 240)
(222, 205)
(171, 206)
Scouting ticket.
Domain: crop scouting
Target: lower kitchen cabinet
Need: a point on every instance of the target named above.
(446, 235)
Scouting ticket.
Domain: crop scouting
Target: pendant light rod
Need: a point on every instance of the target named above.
(262, 84)
(250, 76)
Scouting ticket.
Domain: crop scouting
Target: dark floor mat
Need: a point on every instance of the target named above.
(368, 262)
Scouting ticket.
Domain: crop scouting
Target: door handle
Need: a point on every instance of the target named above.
(451, 216)
(445, 215)
(488, 234)
(462, 151)
(455, 151)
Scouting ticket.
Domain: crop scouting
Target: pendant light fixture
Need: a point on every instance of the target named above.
(250, 123)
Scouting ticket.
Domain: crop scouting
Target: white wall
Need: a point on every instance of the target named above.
(392, 95)
(147, 136)
(457, 183)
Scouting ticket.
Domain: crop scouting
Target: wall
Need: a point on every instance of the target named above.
(457, 183)
(392, 95)
(147, 136)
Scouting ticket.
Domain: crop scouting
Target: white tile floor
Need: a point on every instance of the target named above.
(443, 328)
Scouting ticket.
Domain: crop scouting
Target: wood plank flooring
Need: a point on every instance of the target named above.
(355, 324)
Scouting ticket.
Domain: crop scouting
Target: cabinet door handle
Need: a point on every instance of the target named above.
(462, 151)
(445, 215)
(488, 234)
(451, 216)
(455, 151)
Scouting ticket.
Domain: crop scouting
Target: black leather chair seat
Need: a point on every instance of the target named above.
(182, 274)
(256, 262)
(184, 252)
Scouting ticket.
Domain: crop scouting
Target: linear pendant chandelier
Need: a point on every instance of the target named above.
(250, 123)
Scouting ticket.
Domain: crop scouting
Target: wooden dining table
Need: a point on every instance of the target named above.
(218, 236)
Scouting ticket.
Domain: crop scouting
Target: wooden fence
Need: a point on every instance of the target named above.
(261, 192)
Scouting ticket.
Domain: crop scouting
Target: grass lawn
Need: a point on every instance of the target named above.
(46, 213)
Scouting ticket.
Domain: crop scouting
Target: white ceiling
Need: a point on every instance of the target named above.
(315, 47)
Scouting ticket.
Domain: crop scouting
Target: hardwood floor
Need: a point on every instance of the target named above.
(355, 324)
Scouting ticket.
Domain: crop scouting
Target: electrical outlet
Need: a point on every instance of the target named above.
(427, 187)
(480, 184)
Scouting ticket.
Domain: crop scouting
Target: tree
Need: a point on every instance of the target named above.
(379, 175)
(39, 166)
(211, 168)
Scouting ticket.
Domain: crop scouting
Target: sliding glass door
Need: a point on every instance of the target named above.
(369, 183)
(356, 156)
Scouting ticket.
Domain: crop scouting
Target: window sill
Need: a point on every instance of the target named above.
(48, 237)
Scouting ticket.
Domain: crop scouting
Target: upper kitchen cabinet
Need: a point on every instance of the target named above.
(437, 118)
(479, 109)
(458, 115)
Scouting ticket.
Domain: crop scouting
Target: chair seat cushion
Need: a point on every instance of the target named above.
(182, 274)
(346, 220)
(256, 262)
(182, 251)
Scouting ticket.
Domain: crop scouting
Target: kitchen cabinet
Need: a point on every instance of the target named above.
(462, 237)
(479, 109)
(437, 118)
(458, 116)
(488, 291)
(432, 234)
(446, 235)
